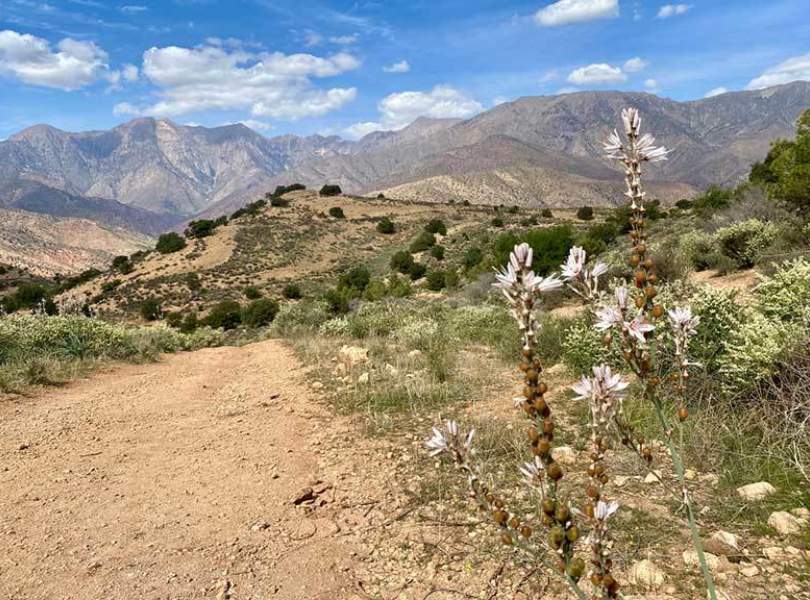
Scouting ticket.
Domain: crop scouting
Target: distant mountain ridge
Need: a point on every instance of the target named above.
(544, 150)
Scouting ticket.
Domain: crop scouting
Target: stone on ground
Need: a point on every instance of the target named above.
(647, 574)
(756, 491)
(785, 523)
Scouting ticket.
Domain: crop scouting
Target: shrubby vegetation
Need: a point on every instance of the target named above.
(170, 242)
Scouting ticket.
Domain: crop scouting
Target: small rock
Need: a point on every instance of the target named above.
(773, 552)
(690, 474)
(654, 477)
(363, 379)
(353, 355)
(723, 543)
(24, 446)
(260, 526)
(565, 455)
(801, 513)
(415, 353)
(749, 571)
(646, 574)
(316, 385)
(305, 495)
(690, 559)
(785, 523)
(756, 491)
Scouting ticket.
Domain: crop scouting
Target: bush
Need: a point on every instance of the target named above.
(700, 249)
(743, 242)
(192, 281)
(402, 261)
(337, 212)
(330, 190)
(27, 295)
(386, 226)
(546, 213)
(173, 319)
(190, 323)
(357, 279)
(291, 291)
(122, 265)
(585, 213)
(422, 242)
(251, 292)
(170, 242)
(473, 257)
(417, 271)
(550, 246)
(497, 222)
(714, 199)
(437, 252)
(582, 347)
(684, 204)
(294, 317)
(283, 189)
(337, 299)
(109, 286)
(436, 226)
(260, 313)
(279, 202)
(436, 280)
(785, 295)
(200, 229)
(225, 315)
(150, 309)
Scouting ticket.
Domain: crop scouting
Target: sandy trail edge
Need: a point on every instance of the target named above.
(167, 480)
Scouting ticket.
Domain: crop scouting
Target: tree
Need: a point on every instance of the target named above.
(225, 315)
(585, 213)
(435, 280)
(330, 190)
(291, 291)
(402, 261)
(122, 264)
(200, 229)
(260, 312)
(422, 242)
(170, 242)
(357, 278)
(337, 212)
(150, 309)
(436, 226)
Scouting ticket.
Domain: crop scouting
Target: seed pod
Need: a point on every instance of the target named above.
(555, 471)
(604, 478)
(523, 366)
(514, 523)
(639, 302)
(531, 375)
(648, 263)
(576, 568)
(526, 532)
(635, 259)
(528, 408)
(541, 406)
(596, 579)
(593, 492)
(500, 516)
(506, 538)
(647, 454)
(608, 581)
(526, 352)
(534, 437)
(548, 426)
(556, 537)
(562, 513)
(542, 388)
(548, 506)
(588, 510)
(652, 278)
(641, 248)
(650, 292)
(572, 534)
(543, 447)
(658, 311)
(528, 392)
(683, 414)
(639, 278)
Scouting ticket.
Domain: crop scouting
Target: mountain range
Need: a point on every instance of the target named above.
(149, 175)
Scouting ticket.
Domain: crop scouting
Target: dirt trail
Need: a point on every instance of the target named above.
(175, 480)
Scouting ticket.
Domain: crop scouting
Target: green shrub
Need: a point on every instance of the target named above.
(423, 241)
(497, 222)
(743, 242)
(684, 204)
(190, 323)
(173, 319)
(284, 189)
(546, 213)
(700, 249)
(785, 295)
(170, 242)
(473, 257)
(337, 212)
(330, 190)
(251, 292)
(200, 229)
(417, 271)
(260, 313)
(436, 281)
(279, 202)
(303, 316)
(192, 281)
(437, 252)
(386, 226)
(150, 309)
(27, 295)
(109, 286)
(714, 199)
(399, 287)
(585, 213)
(402, 261)
(291, 291)
(337, 299)
(550, 246)
(720, 317)
(224, 315)
(451, 279)
(436, 226)
(357, 278)
(122, 265)
(583, 347)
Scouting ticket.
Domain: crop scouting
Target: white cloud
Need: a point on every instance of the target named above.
(566, 90)
(564, 12)
(130, 72)
(402, 66)
(344, 40)
(597, 74)
(268, 84)
(358, 130)
(651, 85)
(796, 68)
(132, 9)
(30, 59)
(634, 65)
(716, 92)
(549, 75)
(400, 109)
(312, 38)
(672, 10)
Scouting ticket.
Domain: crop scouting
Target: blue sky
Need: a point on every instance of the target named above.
(347, 67)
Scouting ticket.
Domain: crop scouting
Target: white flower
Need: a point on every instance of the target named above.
(605, 510)
(573, 265)
(614, 146)
(599, 268)
(521, 256)
(608, 317)
(437, 443)
(603, 385)
(638, 327)
(682, 320)
(648, 151)
(506, 277)
(443, 442)
(547, 284)
(533, 471)
(621, 294)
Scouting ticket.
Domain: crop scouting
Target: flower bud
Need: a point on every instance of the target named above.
(562, 514)
(658, 311)
(542, 388)
(506, 538)
(548, 506)
(572, 534)
(526, 532)
(555, 471)
(683, 414)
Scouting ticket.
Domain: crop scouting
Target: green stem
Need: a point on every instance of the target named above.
(677, 463)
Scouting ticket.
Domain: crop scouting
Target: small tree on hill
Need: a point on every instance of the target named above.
(170, 242)
(585, 213)
(337, 212)
(330, 190)
(386, 226)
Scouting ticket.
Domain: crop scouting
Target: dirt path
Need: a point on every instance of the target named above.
(175, 480)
